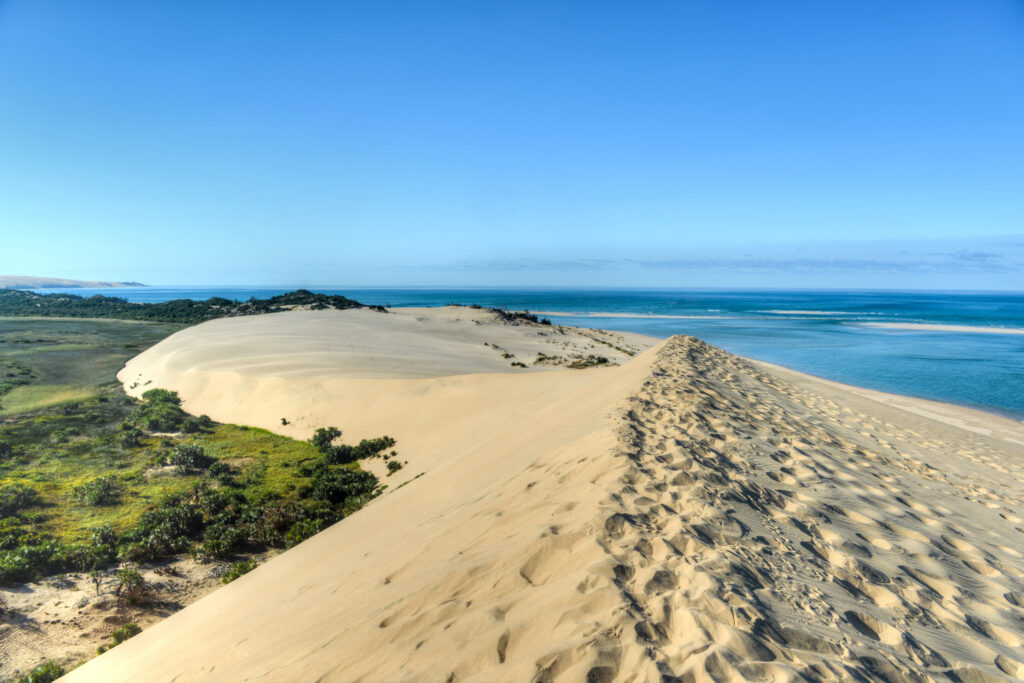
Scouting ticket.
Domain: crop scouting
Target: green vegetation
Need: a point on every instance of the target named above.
(119, 635)
(13, 374)
(100, 479)
(130, 584)
(588, 362)
(64, 362)
(239, 568)
(516, 317)
(125, 632)
(99, 491)
(47, 672)
(15, 302)
(218, 492)
(323, 439)
(610, 345)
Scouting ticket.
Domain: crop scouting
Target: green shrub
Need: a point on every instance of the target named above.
(160, 412)
(587, 362)
(221, 471)
(370, 448)
(130, 584)
(103, 546)
(187, 457)
(99, 491)
(339, 485)
(131, 437)
(15, 497)
(393, 466)
(47, 672)
(124, 633)
(163, 531)
(302, 530)
(324, 437)
(157, 396)
(238, 569)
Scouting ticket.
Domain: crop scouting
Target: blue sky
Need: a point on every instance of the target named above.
(805, 144)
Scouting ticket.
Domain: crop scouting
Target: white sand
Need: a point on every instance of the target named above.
(688, 514)
(599, 314)
(932, 327)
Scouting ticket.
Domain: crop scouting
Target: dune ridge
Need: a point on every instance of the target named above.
(689, 515)
(768, 531)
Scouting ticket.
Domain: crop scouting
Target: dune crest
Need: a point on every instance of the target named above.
(686, 516)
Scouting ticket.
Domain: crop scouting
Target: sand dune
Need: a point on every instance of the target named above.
(29, 282)
(688, 515)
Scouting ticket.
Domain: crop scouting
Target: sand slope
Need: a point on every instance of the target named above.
(689, 515)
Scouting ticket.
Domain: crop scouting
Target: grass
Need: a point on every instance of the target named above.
(69, 360)
(39, 396)
(64, 433)
(85, 487)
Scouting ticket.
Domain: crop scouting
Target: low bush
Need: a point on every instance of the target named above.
(125, 632)
(336, 486)
(189, 457)
(16, 497)
(99, 491)
(589, 361)
(238, 569)
(47, 672)
(130, 585)
(221, 471)
(302, 530)
(324, 437)
(131, 437)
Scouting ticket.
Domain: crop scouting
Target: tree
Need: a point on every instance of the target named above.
(324, 437)
(187, 457)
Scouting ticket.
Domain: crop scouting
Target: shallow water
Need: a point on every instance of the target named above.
(814, 332)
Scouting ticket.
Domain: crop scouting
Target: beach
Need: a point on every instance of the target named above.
(675, 512)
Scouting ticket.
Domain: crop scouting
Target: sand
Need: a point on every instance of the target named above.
(933, 327)
(65, 618)
(686, 515)
(653, 316)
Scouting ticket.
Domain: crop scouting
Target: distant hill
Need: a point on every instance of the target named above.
(17, 302)
(28, 282)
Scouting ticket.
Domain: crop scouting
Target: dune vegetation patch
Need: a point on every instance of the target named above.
(78, 490)
(96, 486)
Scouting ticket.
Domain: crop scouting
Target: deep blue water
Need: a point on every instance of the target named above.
(980, 370)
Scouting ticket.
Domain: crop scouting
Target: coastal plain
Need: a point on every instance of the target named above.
(673, 513)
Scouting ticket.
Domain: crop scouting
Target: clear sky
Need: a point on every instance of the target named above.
(865, 143)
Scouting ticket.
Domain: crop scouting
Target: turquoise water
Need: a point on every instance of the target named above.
(815, 332)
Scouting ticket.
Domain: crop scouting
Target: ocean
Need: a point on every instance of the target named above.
(820, 333)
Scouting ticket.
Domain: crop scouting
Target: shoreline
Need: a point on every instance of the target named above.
(929, 407)
(651, 316)
(970, 418)
(936, 327)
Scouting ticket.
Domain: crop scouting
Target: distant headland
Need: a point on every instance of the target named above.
(28, 282)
